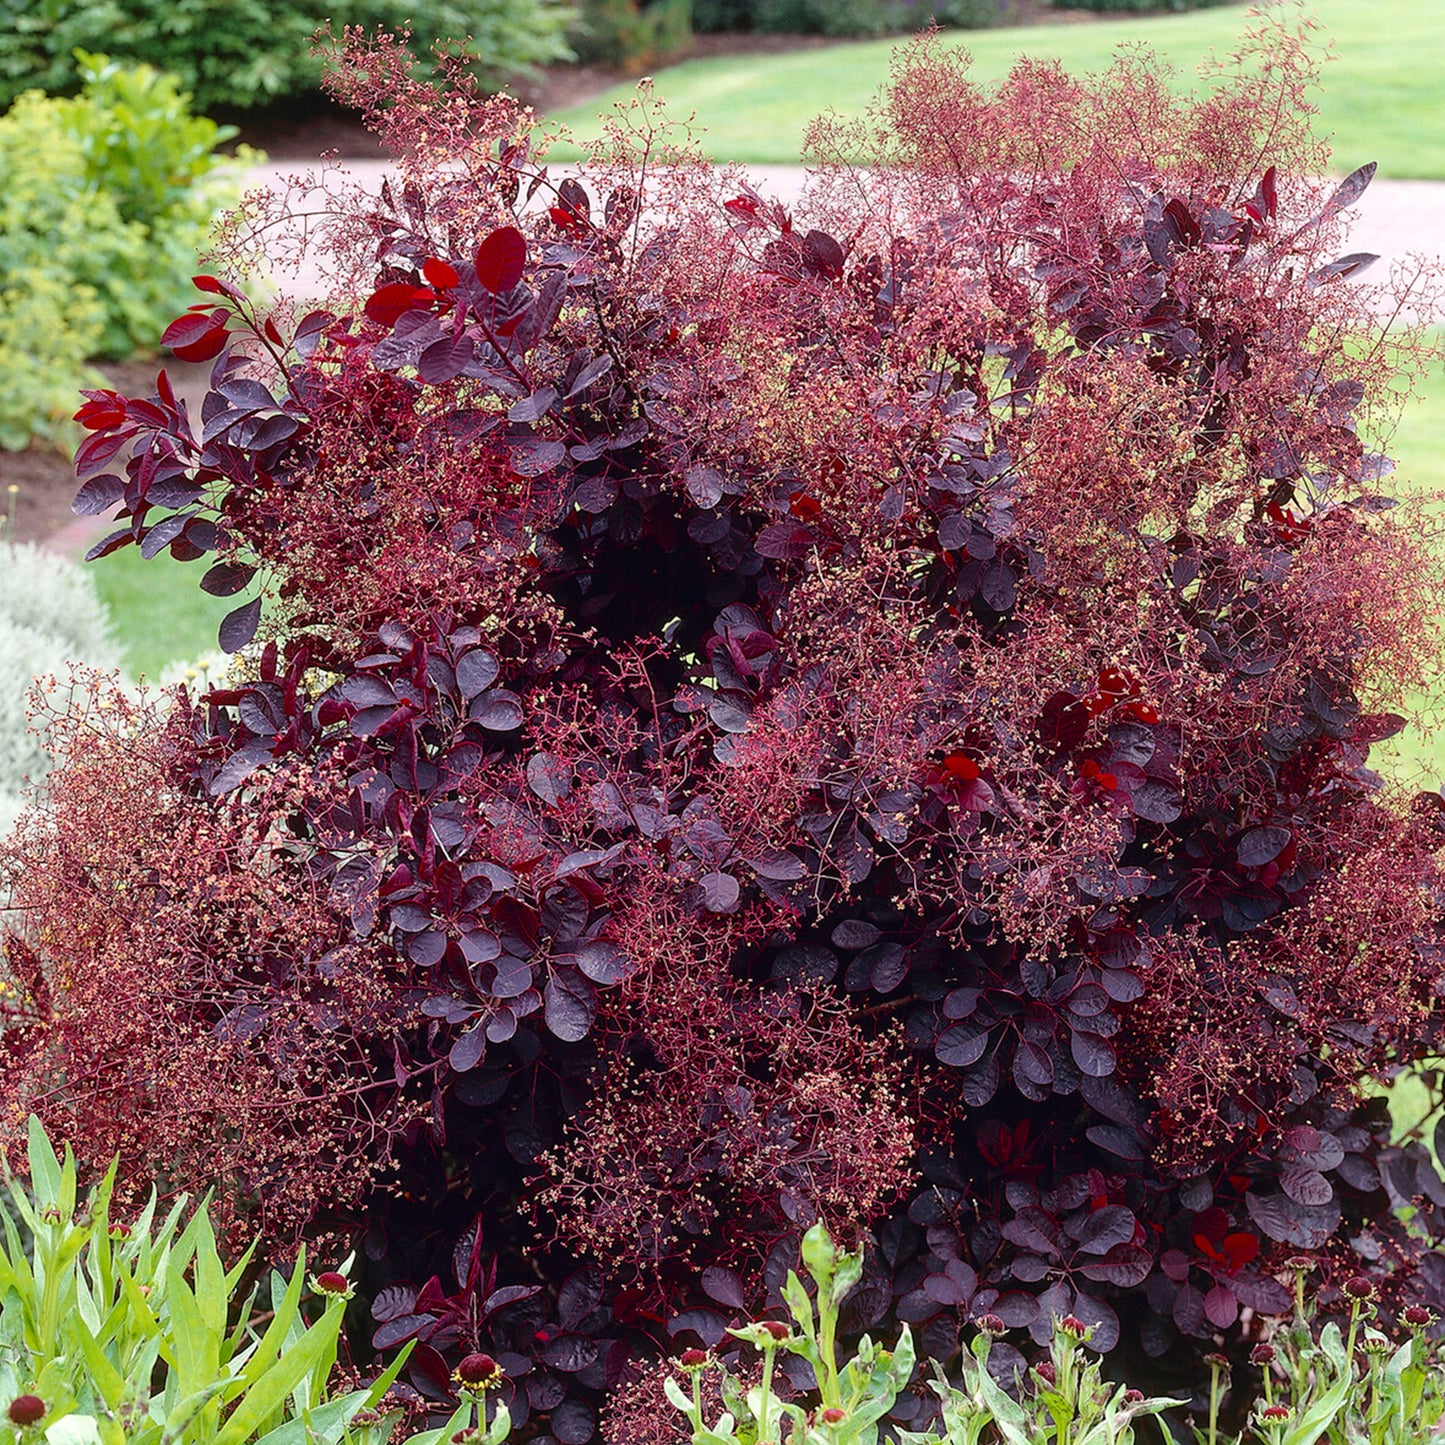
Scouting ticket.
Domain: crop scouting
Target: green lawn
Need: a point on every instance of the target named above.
(1419, 447)
(1382, 96)
(161, 616)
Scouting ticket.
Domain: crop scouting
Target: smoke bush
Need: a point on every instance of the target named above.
(859, 714)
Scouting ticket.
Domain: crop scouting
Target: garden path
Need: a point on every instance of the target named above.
(1395, 219)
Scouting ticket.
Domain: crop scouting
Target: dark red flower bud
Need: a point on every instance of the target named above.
(1133, 1397)
(1046, 1372)
(1275, 1414)
(1216, 1361)
(693, 1359)
(833, 1415)
(1417, 1316)
(1358, 1287)
(991, 1325)
(1300, 1263)
(1262, 1354)
(775, 1328)
(1074, 1327)
(26, 1410)
(478, 1372)
(332, 1281)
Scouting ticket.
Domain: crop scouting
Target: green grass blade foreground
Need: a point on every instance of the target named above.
(1381, 96)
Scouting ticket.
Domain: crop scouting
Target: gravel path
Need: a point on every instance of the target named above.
(1394, 219)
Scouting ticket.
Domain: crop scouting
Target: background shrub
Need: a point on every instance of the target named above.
(50, 618)
(776, 716)
(247, 53)
(846, 18)
(631, 34)
(104, 200)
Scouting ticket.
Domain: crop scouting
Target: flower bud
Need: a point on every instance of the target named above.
(1262, 1354)
(991, 1325)
(1073, 1327)
(1358, 1287)
(775, 1328)
(693, 1359)
(478, 1372)
(119, 1232)
(26, 1410)
(833, 1416)
(1374, 1343)
(333, 1282)
(1046, 1372)
(1216, 1361)
(1275, 1414)
(1133, 1397)
(1417, 1317)
(1301, 1263)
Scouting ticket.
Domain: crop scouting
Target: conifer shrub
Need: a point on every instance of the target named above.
(856, 715)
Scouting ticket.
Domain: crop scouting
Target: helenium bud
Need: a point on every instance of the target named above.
(26, 1410)
(478, 1372)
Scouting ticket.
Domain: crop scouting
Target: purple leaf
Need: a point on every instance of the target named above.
(477, 670)
(398, 1330)
(98, 495)
(1106, 1227)
(723, 1285)
(784, 541)
(498, 711)
(225, 579)
(1262, 845)
(1221, 1308)
(1352, 187)
(392, 1303)
(239, 627)
(720, 892)
(570, 1005)
(469, 1049)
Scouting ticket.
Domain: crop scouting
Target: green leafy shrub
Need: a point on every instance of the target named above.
(52, 233)
(138, 1334)
(626, 33)
(247, 53)
(161, 167)
(844, 18)
(50, 616)
(104, 201)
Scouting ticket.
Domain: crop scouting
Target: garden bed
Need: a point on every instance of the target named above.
(45, 477)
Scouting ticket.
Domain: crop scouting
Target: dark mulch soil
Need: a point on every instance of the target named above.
(45, 478)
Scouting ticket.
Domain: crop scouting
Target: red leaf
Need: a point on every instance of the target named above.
(211, 345)
(441, 274)
(104, 409)
(389, 303)
(213, 286)
(501, 259)
(196, 336)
